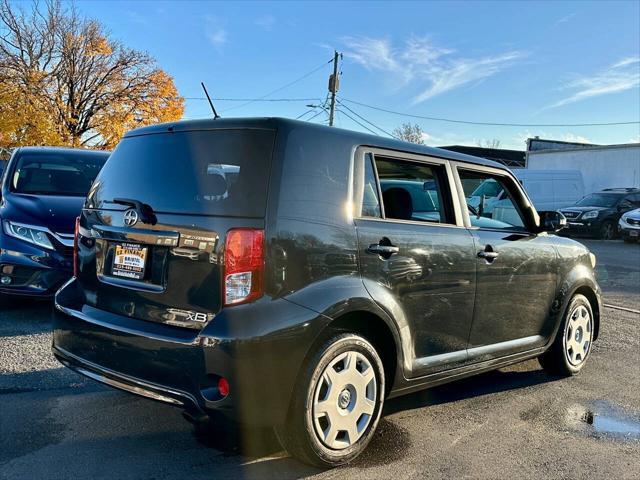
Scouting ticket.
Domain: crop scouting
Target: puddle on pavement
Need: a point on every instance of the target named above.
(603, 420)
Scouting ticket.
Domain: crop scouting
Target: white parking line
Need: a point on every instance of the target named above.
(624, 309)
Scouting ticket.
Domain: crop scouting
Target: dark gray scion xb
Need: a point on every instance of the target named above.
(269, 272)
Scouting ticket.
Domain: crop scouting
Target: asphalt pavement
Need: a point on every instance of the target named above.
(517, 421)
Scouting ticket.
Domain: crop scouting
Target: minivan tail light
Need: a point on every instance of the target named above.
(75, 247)
(243, 265)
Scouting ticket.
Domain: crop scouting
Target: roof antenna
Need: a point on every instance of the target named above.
(215, 114)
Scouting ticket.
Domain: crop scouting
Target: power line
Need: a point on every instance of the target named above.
(308, 74)
(356, 121)
(322, 110)
(305, 113)
(494, 124)
(255, 99)
(365, 120)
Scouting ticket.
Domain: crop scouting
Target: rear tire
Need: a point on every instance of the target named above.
(574, 340)
(336, 403)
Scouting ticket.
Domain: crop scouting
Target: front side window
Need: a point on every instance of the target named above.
(64, 174)
(412, 191)
(495, 207)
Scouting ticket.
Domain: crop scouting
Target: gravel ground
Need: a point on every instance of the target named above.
(515, 421)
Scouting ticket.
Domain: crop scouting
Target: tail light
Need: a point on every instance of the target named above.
(75, 247)
(243, 266)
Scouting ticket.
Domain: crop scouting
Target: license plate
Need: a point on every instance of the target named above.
(129, 261)
(633, 233)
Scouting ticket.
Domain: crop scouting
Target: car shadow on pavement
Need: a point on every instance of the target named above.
(485, 384)
(24, 316)
(59, 378)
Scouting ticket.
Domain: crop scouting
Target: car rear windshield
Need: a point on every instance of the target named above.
(598, 200)
(64, 174)
(210, 172)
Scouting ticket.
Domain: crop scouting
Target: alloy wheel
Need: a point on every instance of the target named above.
(607, 231)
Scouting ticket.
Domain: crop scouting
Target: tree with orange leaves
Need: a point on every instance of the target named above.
(63, 81)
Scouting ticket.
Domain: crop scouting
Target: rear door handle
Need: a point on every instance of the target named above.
(383, 250)
(489, 254)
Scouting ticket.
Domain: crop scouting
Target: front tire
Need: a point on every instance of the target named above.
(607, 231)
(574, 340)
(336, 404)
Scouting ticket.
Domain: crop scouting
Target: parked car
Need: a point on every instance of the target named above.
(547, 189)
(598, 214)
(300, 290)
(629, 226)
(42, 192)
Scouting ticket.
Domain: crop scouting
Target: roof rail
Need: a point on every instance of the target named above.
(620, 189)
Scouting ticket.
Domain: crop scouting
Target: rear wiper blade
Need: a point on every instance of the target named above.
(144, 210)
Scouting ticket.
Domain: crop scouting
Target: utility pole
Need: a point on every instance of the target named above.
(334, 85)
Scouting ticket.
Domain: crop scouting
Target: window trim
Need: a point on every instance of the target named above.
(358, 184)
(523, 203)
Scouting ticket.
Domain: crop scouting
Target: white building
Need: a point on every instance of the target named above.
(602, 166)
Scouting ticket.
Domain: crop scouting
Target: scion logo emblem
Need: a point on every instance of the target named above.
(130, 218)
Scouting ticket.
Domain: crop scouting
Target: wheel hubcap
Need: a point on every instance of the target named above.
(578, 333)
(344, 400)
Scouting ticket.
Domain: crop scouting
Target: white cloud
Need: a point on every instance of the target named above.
(266, 22)
(135, 17)
(435, 70)
(215, 33)
(621, 76)
(522, 137)
(564, 19)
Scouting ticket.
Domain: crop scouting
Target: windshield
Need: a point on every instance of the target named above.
(488, 188)
(598, 200)
(56, 173)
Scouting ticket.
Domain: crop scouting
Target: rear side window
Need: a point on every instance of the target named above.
(214, 172)
(413, 191)
(64, 174)
(370, 198)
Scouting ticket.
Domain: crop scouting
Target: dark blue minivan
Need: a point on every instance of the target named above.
(43, 189)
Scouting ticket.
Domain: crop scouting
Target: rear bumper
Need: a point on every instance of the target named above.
(181, 367)
(124, 382)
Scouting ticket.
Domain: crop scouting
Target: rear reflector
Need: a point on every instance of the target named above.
(223, 387)
(75, 247)
(243, 265)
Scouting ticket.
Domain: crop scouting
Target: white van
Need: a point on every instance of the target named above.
(551, 189)
(547, 189)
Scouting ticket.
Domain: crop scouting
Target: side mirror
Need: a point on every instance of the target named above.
(552, 221)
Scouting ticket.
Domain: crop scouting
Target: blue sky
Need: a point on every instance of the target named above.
(520, 62)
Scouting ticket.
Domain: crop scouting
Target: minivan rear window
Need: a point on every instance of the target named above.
(210, 172)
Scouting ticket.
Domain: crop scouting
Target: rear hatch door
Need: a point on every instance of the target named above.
(154, 225)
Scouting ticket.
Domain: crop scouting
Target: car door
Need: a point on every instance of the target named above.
(417, 259)
(516, 271)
